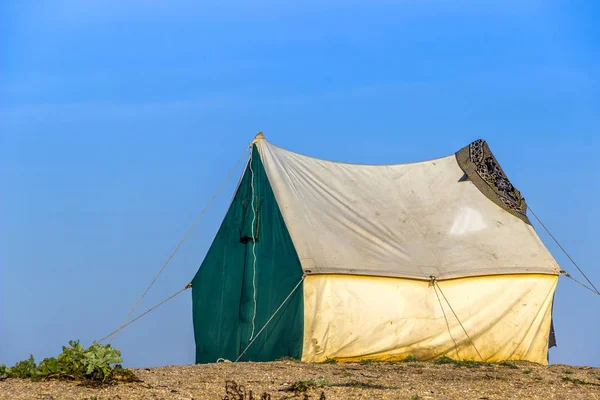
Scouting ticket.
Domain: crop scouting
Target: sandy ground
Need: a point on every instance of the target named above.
(420, 380)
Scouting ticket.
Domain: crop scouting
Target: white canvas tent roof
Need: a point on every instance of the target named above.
(414, 220)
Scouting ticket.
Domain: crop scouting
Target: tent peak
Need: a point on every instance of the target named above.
(259, 136)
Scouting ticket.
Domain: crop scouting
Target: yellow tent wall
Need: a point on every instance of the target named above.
(350, 318)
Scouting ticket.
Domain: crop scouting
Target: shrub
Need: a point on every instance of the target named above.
(508, 364)
(304, 385)
(4, 372)
(444, 360)
(99, 363)
(24, 369)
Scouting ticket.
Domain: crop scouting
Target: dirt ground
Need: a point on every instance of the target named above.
(378, 380)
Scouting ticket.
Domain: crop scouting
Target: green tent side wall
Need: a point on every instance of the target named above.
(223, 290)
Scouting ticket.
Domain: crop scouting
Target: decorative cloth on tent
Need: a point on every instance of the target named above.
(485, 172)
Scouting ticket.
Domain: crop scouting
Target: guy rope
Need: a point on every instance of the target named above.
(125, 322)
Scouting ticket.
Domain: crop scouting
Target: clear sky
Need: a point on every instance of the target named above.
(119, 119)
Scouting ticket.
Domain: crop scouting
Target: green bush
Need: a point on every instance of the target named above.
(99, 363)
(4, 372)
(24, 369)
(444, 360)
(304, 385)
(508, 364)
(458, 363)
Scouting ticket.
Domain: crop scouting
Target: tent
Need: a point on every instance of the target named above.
(318, 259)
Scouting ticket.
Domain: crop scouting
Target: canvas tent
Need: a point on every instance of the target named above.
(318, 259)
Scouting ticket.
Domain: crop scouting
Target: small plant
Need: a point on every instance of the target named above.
(415, 397)
(24, 369)
(527, 371)
(411, 358)
(49, 367)
(444, 360)
(578, 381)
(330, 361)
(568, 372)
(458, 363)
(366, 361)
(508, 364)
(304, 385)
(98, 361)
(470, 364)
(3, 372)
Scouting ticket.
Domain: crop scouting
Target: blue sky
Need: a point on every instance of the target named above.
(118, 121)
